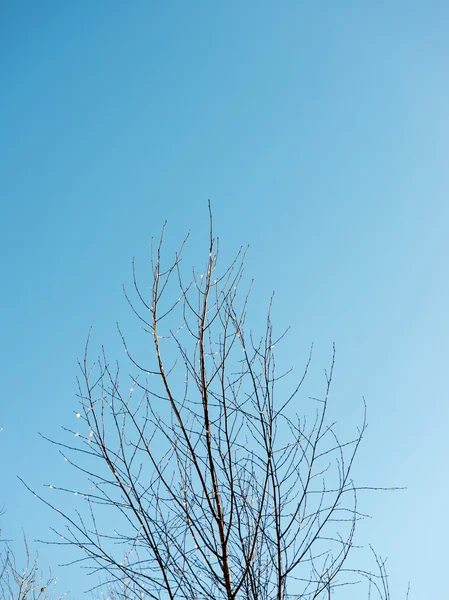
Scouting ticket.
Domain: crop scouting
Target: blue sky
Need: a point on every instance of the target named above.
(320, 132)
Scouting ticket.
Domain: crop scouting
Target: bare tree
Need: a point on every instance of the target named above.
(378, 582)
(205, 481)
(24, 582)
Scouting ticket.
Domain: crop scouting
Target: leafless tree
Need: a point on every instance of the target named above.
(24, 582)
(379, 588)
(209, 476)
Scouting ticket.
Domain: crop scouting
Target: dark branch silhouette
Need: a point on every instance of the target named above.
(205, 479)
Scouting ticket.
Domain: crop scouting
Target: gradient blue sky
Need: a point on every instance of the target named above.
(320, 132)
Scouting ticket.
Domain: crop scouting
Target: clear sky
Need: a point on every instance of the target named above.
(320, 131)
